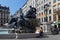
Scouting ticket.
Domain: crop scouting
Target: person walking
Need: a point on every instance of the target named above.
(41, 32)
(56, 30)
(51, 29)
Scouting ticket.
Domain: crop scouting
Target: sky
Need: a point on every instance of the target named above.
(14, 5)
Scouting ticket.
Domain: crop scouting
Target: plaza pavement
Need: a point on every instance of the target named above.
(49, 37)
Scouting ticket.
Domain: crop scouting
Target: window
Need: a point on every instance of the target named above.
(54, 17)
(39, 14)
(39, 19)
(1, 21)
(44, 1)
(42, 7)
(1, 24)
(49, 11)
(39, 8)
(54, 1)
(49, 18)
(58, 6)
(42, 19)
(7, 21)
(49, 2)
(59, 16)
(4, 20)
(54, 8)
(45, 19)
(33, 2)
(37, 4)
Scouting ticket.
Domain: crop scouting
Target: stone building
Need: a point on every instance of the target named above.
(4, 15)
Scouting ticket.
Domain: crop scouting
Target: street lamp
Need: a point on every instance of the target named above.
(46, 6)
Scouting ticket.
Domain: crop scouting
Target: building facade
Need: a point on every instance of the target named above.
(18, 13)
(4, 15)
(53, 14)
(28, 3)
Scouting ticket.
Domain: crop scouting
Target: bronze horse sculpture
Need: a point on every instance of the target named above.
(25, 21)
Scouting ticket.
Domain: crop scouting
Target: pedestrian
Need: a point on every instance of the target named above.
(51, 29)
(59, 28)
(41, 32)
(56, 31)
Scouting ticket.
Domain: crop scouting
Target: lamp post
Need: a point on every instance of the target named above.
(46, 6)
